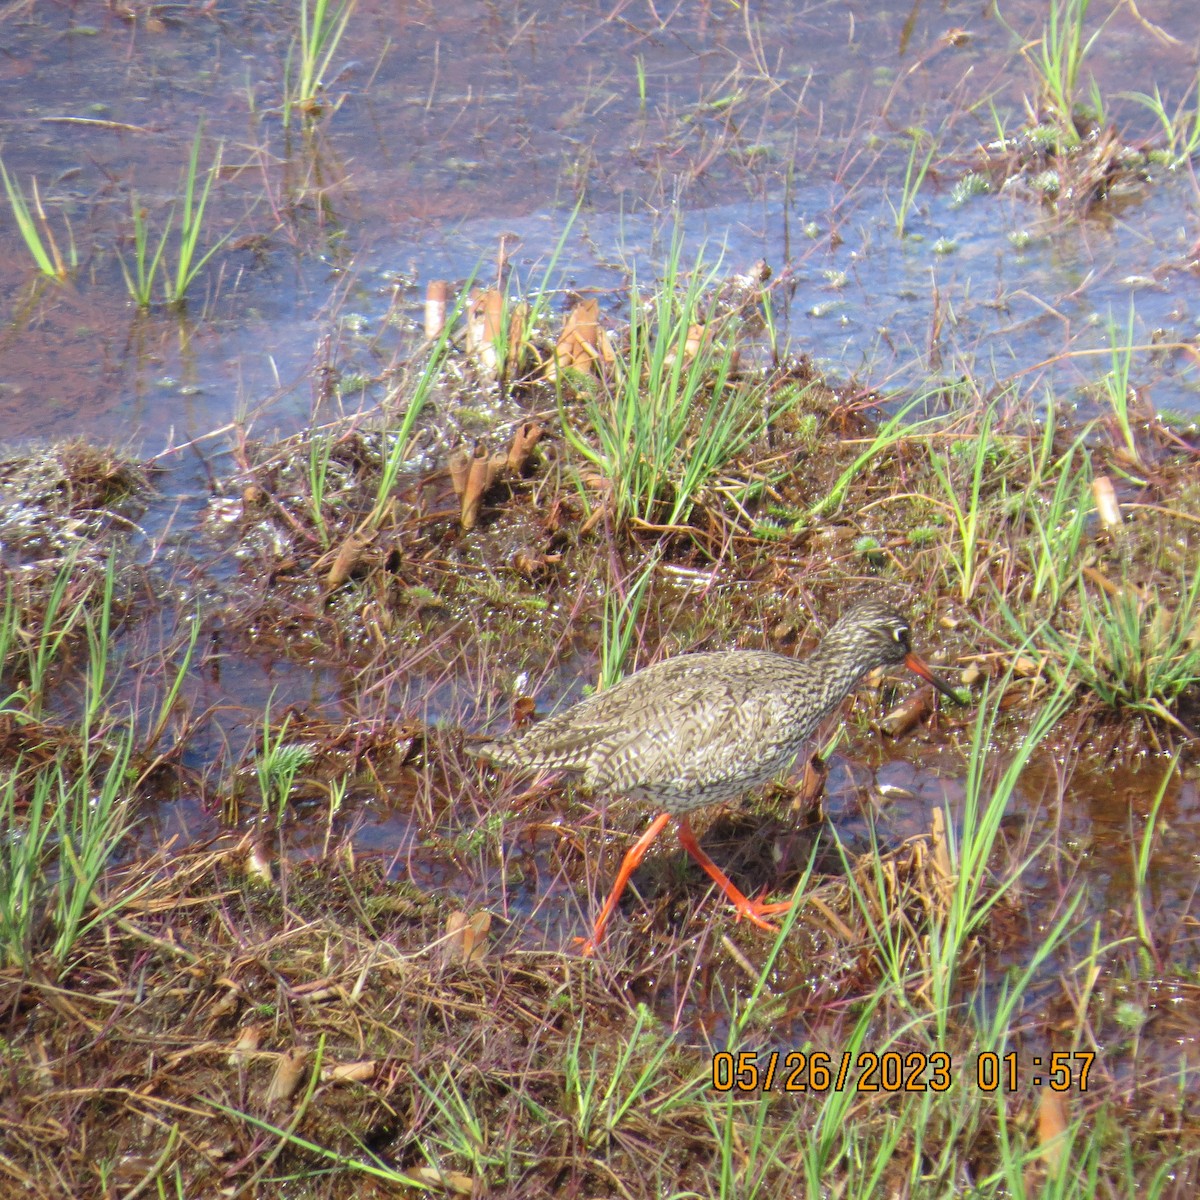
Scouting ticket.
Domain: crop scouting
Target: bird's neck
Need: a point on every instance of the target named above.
(834, 674)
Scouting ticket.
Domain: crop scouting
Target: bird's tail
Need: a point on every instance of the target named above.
(518, 754)
(495, 752)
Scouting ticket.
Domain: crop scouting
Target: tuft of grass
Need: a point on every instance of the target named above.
(603, 1090)
(62, 616)
(37, 235)
(674, 418)
(63, 827)
(1133, 648)
(1181, 127)
(968, 511)
(511, 348)
(149, 262)
(140, 282)
(171, 694)
(931, 960)
(1117, 386)
(320, 446)
(461, 1132)
(915, 170)
(65, 815)
(1142, 869)
(329, 1160)
(622, 611)
(971, 842)
(1057, 60)
(1059, 524)
(310, 54)
(277, 764)
(400, 442)
(893, 430)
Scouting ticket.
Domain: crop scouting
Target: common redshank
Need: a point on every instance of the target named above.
(701, 728)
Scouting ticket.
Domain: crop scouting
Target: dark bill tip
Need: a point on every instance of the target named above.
(914, 664)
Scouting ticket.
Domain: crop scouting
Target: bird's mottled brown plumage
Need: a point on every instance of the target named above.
(701, 728)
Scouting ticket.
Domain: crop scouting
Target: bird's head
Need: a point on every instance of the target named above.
(874, 634)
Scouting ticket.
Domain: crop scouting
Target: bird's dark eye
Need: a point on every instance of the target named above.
(900, 633)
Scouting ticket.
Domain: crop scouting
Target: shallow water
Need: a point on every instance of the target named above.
(773, 132)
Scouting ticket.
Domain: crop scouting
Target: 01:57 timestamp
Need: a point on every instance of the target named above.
(1062, 1070)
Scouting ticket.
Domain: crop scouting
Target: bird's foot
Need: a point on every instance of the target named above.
(754, 914)
(585, 946)
(756, 910)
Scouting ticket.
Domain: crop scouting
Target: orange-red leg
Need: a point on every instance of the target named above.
(753, 910)
(629, 864)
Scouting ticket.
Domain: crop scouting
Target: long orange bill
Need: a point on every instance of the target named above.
(914, 664)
